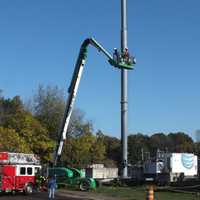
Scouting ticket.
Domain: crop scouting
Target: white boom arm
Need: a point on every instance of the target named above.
(72, 91)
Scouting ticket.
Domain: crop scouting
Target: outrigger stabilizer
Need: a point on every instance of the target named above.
(118, 60)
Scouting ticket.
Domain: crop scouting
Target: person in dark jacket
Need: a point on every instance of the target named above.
(52, 187)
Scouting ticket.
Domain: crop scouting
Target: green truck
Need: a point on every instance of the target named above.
(72, 177)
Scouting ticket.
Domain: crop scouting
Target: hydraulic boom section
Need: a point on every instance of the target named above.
(120, 61)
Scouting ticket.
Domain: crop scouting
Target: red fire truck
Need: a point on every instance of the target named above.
(18, 172)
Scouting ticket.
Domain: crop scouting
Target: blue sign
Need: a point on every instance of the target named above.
(187, 160)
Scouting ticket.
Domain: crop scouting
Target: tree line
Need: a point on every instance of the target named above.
(33, 126)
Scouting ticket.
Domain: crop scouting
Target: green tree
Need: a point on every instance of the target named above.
(197, 135)
(28, 128)
(78, 125)
(112, 150)
(12, 142)
(180, 142)
(84, 150)
(1, 109)
(98, 149)
(197, 148)
(158, 141)
(9, 107)
(48, 106)
(137, 144)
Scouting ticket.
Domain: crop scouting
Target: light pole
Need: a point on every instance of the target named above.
(124, 87)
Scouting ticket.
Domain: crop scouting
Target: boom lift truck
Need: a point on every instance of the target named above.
(124, 60)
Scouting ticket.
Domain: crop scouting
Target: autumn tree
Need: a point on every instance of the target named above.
(112, 150)
(98, 149)
(29, 129)
(158, 141)
(1, 107)
(197, 135)
(48, 108)
(11, 141)
(180, 142)
(137, 145)
(83, 150)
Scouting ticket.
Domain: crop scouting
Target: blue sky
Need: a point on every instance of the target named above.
(40, 40)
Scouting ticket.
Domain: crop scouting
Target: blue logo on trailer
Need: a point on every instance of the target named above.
(187, 160)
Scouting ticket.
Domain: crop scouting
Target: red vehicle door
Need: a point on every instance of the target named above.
(25, 175)
(8, 178)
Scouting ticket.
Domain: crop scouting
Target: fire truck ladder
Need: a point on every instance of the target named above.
(119, 61)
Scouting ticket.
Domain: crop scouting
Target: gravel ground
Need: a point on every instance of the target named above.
(41, 196)
(60, 195)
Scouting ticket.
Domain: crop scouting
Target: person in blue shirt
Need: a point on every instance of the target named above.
(52, 187)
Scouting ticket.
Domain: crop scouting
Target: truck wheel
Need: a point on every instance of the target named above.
(99, 183)
(28, 189)
(84, 186)
(13, 192)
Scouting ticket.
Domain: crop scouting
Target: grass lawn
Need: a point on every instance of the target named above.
(138, 193)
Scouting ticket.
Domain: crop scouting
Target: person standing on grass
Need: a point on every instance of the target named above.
(52, 187)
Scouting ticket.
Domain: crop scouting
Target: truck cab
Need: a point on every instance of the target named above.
(71, 177)
(17, 175)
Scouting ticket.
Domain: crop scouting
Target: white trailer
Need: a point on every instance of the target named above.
(99, 172)
(183, 164)
(172, 167)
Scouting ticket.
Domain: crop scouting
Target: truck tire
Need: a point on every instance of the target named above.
(13, 192)
(84, 185)
(28, 189)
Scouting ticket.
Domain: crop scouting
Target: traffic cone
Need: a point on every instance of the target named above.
(150, 193)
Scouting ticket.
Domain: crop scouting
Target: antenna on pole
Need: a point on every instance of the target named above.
(124, 87)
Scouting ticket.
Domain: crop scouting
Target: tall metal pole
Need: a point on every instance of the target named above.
(124, 87)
